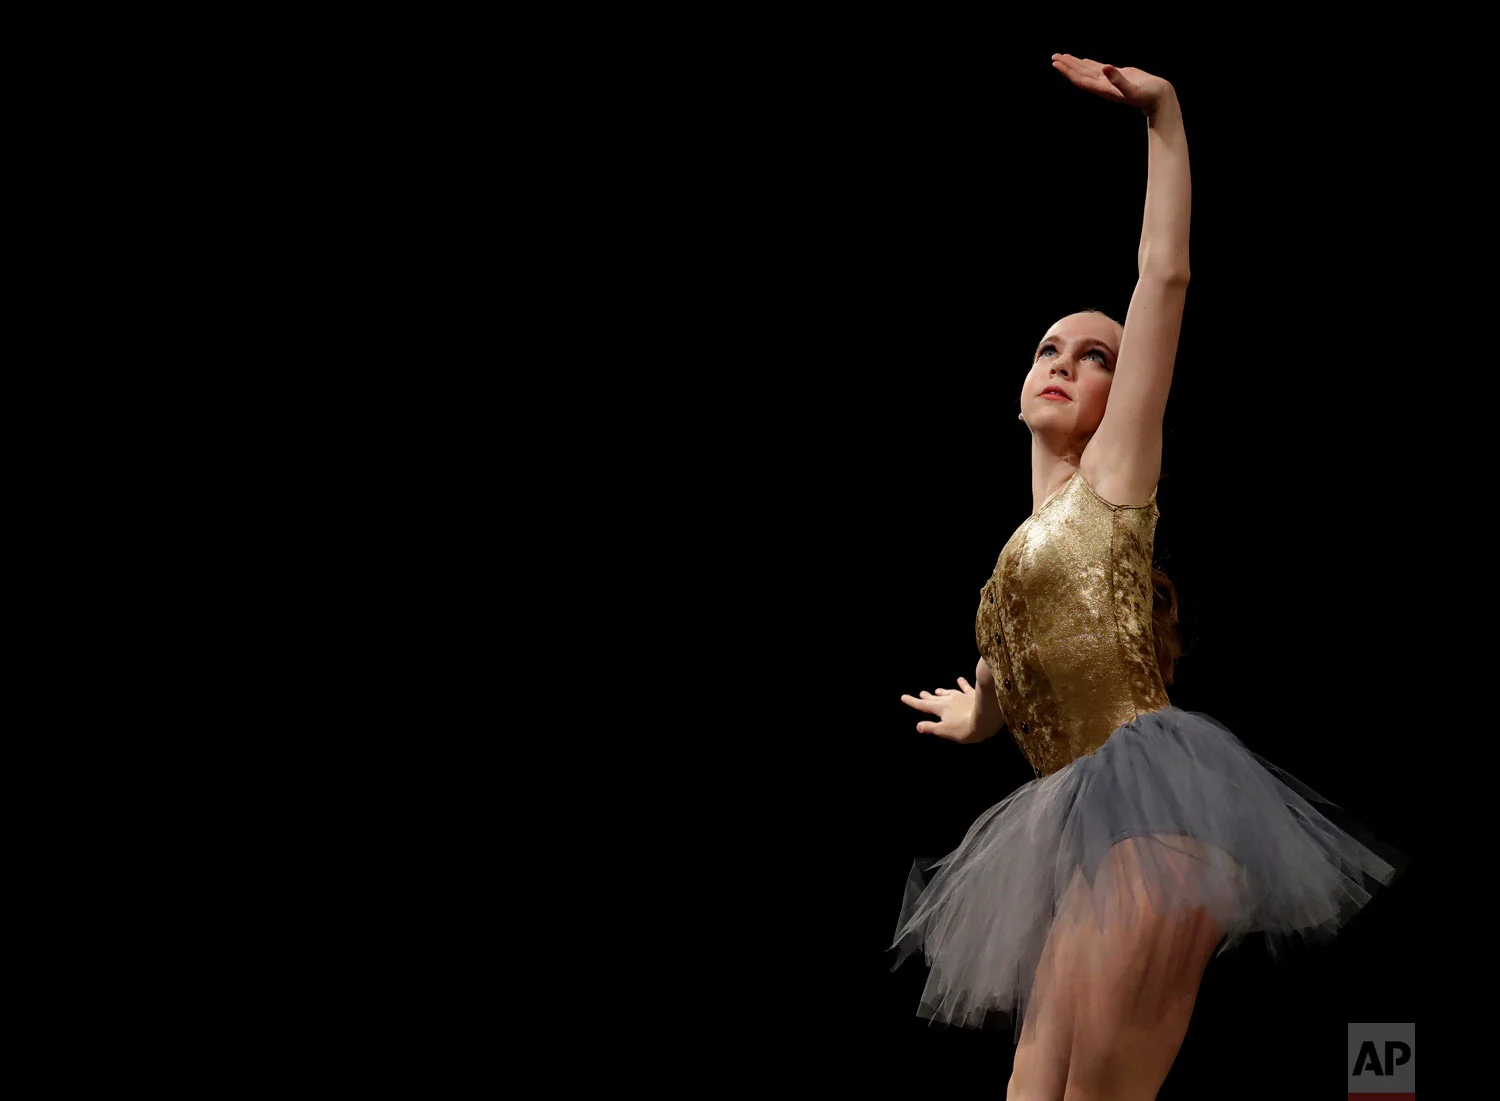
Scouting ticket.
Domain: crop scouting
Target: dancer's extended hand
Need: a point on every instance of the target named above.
(1133, 86)
(954, 708)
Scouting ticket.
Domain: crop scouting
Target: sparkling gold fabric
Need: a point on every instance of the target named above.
(1064, 624)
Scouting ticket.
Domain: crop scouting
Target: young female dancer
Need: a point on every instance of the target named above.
(1087, 903)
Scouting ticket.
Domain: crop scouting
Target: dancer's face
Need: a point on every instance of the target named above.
(1078, 356)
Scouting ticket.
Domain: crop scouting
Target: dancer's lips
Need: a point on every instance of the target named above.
(1055, 393)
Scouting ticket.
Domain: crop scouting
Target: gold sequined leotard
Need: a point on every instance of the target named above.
(1064, 624)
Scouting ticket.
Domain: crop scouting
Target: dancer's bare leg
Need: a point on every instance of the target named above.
(1138, 972)
(1040, 1072)
(1117, 982)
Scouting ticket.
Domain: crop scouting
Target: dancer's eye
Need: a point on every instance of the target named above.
(1102, 356)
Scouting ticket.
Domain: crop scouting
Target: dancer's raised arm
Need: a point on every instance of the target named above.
(1123, 459)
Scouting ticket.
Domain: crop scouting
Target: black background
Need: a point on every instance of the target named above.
(858, 244)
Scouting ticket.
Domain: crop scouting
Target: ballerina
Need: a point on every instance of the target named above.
(1087, 903)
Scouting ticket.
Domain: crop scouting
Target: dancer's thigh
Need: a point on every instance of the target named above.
(1041, 1063)
(1138, 961)
(1119, 974)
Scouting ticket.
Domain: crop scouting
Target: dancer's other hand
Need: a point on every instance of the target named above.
(1133, 86)
(954, 708)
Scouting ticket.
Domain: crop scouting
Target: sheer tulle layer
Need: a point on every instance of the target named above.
(1169, 823)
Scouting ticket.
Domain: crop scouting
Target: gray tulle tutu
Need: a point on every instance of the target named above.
(1171, 813)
